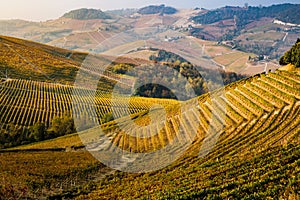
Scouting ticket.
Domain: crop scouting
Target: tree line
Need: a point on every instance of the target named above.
(13, 135)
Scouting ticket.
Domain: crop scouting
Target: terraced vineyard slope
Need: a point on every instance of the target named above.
(256, 155)
(25, 102)
(28, 60)
(240, 141)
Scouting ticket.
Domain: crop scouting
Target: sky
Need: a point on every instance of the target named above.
(41, 10)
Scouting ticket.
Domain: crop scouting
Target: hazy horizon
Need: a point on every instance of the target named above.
(34, 10)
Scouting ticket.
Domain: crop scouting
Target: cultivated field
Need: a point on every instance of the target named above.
(257, 120)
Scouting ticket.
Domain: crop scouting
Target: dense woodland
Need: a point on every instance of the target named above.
(283, 12)
(292, 56)
(84, 14)
(162, 9)
(198, 77)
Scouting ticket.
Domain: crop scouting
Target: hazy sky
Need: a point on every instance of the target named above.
(40, 10)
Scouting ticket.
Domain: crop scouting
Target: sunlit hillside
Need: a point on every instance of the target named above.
(256, 154)
(70, 130)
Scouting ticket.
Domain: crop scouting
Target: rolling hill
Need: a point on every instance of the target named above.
(269, 31)
(28, 60)
(257, 153)
(162, 9)
(240, 141)
(283, 12)
(84, 14)
(254, 30)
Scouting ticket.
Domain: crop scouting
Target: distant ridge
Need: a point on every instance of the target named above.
(84, 14)
(285, 12)
(162, 9)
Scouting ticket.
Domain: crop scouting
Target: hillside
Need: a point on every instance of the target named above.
(76, 125)
(29, 60)
(162, 9)
(252, 31)
(241, 141)
(269, 31)
(38, 62)
(257, 121)
(25, 103)
(243, 16)
(34, 100)
(256, 154)
(84, 14)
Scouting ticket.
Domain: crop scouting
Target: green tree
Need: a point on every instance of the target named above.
(292, 56)
(121, 68)
(61, 126)
(107, 118)
(37, 131)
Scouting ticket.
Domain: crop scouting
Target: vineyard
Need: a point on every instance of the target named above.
(41, 173)
(21, 59)
(238, 141)
(151, 113)
(25, 103)
(256, 155)
(29, 60)
(265, 106)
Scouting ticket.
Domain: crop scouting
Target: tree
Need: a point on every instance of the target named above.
(292, 56)
(37, 131)
(61, 126)
(121, 68)
(107, 118)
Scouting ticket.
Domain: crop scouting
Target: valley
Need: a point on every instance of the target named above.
(151, 103)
